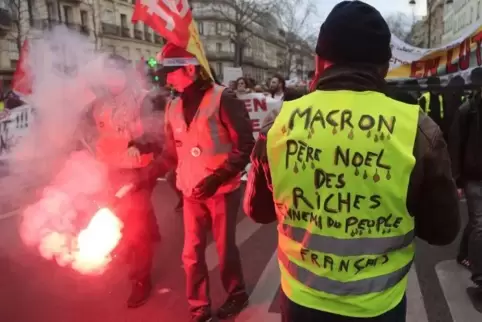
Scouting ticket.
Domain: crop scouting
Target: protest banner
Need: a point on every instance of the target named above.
(14, 125)
(258, 106)
(459, 57)
(172, 19)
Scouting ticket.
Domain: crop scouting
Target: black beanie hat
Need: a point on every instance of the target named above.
(354, 32)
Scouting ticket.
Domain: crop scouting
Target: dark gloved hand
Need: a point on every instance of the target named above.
(207, 187)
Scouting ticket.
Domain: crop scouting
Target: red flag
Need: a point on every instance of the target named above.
(22, 79)
(168, 18)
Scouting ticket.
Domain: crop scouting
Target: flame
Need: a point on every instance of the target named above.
(52, 223)
(96, 242)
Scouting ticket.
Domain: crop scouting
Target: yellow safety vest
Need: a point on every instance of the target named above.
(340, 165)
(427, 104)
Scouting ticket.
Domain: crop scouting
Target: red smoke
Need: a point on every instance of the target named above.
(67, 225)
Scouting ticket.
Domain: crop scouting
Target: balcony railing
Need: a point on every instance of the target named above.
(147, 36)
(125, 32)
(110, 29)
(137, 34)
(214, 55)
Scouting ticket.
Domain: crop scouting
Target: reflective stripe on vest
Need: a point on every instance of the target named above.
(345, 288)
(340, 168)
(427, 104)
(347, 247)
(203, 146)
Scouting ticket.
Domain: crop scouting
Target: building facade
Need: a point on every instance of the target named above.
(428, 32)
(265, 53)
(459, 16)
(107, 24)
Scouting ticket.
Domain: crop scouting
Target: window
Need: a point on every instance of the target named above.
(123, 18)
(50, 11)
(68, 18)
(231, 47)
(219, 47)
(200, 27)
(84, 18)
(108, 16)
(218, 28)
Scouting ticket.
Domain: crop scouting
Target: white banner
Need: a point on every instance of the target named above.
(259, 106)
(14, 124)
(403, 53)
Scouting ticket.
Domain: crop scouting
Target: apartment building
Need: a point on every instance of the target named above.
(428, 32)
(107, 23)
(265, 53)
(459, 17)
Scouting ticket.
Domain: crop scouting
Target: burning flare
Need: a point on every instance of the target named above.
(96, 242)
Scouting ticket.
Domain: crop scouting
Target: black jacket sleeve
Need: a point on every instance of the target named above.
(235, 118)
(258, 201)
(434, 203)
(457, 139)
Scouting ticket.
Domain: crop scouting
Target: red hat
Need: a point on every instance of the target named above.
(174, 56)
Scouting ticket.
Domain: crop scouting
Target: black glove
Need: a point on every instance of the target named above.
(207, 187)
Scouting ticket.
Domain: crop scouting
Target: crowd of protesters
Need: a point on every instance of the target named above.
(275, 87)
(9, 100)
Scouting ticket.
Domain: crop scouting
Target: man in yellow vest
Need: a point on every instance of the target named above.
(432, 102)
(113, 122)
(208, 139)
(351, 176)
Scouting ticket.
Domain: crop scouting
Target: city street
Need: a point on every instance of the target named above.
(32, 289)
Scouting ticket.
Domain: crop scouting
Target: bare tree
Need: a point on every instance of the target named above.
(22, 18)
(296, 18)
(243, 15)
(400, 24)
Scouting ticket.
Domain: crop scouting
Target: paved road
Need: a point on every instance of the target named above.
(34, 290)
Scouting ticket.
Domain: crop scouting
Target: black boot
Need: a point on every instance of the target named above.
(141, 291)
(233, 306)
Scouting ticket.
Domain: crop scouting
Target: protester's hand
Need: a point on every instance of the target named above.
(207, 187)
(134, 152)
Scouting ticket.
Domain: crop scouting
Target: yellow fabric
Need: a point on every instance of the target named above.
(427, 104)
(2, 106)
(302, 145)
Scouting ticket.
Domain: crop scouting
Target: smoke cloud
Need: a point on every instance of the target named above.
(69, 76)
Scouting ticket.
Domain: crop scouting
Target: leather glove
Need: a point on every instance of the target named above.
(207, 187)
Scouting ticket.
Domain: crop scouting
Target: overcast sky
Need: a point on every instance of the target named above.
(386, 7)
